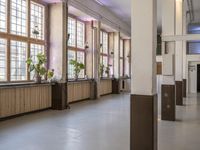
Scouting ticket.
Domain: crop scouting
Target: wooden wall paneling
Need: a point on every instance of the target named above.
(110, 86)
(20, 100)
(86, 90)
(78, 91)
(101, 87)
(159, 68)
(70, 92)
(106, 87)
(7, 102)
(11, 103)
(49, 99)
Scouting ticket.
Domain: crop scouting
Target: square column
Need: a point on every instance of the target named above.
(168, 109)
(179, 72)
(116, 54)
(179, 53)
(96, 57)
(143, 81)
(58, 13)
(184, 50)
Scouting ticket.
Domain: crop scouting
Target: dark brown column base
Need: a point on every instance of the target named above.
(115, 86)
(168, 103)
(59, 96)
(143, 122)
(93, 89)
(184, 88)
(179, 93)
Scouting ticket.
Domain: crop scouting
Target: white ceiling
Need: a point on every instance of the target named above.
(81, 15)
(122, 8)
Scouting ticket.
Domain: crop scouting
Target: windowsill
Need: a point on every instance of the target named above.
(125, 78)
(23, 84)
(79, 80)
(107, 78)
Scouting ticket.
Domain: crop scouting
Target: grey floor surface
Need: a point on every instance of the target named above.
(98, 125)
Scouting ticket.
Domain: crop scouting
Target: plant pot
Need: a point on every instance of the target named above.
(38, 79)
(75, 77)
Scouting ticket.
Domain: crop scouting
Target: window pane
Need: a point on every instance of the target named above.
(193, 28)
(80, 34)
(105, 43)
(2, 60)
(18, 60)
(105, 63)
(81, 59)
(37, 20)
(193, 47)
(101, 37)
(71, 56)
(121, 48)
(3, 15)
(121, 67)
(35, 49)
(111, 65)
(72, 32)
(18, 17)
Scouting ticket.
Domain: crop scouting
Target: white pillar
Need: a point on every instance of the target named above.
(143, 47)
(116, 54)
(179, 44)
(143, 76)
(58, 38)
(168, 47)
(97, 27)
(179, 53)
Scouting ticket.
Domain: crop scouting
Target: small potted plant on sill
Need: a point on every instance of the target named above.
(101, 70)
(77, 67)
(107, 71)
(39, 67)
(50, 74)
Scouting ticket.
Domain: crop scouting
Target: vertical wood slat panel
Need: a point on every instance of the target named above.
(78, 91)
(70, 93)
(105, 87)
(20, 100)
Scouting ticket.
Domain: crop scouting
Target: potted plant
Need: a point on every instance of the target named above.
(107, 71)
(50, 74)
(38, 67)
(78, 66)
(101, 69)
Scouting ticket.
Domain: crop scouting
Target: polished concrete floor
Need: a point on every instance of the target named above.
(97, 125)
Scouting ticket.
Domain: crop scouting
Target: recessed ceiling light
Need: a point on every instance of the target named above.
(99, 2)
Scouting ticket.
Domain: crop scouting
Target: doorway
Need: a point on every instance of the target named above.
(198, 78)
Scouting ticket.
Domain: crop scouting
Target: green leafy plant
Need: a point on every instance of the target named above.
(50, 74)
(78, 66)
(38, 67)
(101, 69)
(107, 71)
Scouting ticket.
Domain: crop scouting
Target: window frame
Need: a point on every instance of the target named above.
(102, 54)
(8, 36)
(75, 48)
(122, 58)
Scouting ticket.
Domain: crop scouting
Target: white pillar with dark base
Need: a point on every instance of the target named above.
(143, 84)
(168, 106)
(179, 53)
